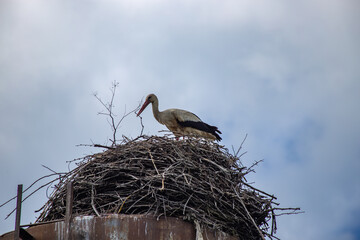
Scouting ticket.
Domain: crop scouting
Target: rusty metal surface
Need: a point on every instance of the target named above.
(123, 227)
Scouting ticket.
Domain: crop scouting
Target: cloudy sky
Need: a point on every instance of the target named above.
(287, 73)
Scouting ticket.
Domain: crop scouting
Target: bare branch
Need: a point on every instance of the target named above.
(142, 126)
(109, 112)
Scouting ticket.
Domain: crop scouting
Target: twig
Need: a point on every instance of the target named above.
(249, 215)
(40, 223)
(240, 147)
(44, 185)
(123, 203)
(109, 107)
(103, 146)
(250, 169)
(293, 211)
(142, 126)
(187, 203)
(217, 165)
(258, 190)
(39, 179)
(152, 159)
(162, 182)
(92, 201)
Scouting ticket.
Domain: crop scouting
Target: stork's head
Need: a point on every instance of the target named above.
(151, 98)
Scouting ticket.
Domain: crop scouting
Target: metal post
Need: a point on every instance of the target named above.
(18, 212)
(69, 206)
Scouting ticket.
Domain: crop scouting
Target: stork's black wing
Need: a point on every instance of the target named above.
(202, 127)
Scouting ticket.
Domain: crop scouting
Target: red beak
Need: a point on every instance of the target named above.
(146, 103)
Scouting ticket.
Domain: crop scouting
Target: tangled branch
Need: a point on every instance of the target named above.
(111, 116)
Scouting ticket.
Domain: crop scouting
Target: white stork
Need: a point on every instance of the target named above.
(181, 122)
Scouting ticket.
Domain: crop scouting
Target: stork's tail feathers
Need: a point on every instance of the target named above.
(215, 133)
(202, 127)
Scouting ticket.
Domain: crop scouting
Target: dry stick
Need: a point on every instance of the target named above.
(250, 169)
(102, 146)
(248, 185)
(41, 223)
(247, 212)
(92, 201)
(187, 203)
(273, 223)
(186, 178)
(49, 175)
(30, 195)
(123, 203)
(153, 161)
(240, 147)
(163, 174)
(142, 126)
(8, 201)
(163, 182)
(109, 108)
(49, 169)
(272, 236)
(220, 167)
(126, 114)
(294, 211)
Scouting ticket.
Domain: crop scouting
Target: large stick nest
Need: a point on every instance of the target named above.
(189, 179)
